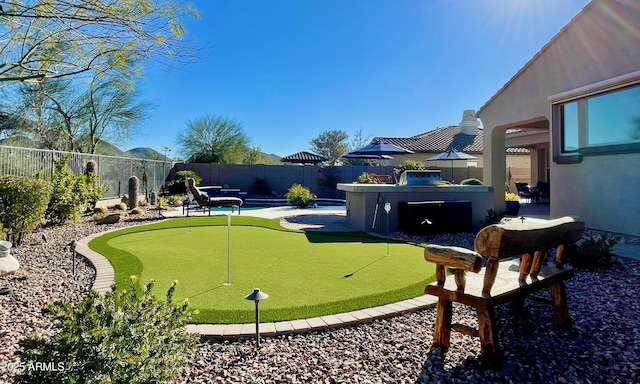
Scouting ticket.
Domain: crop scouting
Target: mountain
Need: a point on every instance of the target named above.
(270, 158)
(106, 148)
(144, 153)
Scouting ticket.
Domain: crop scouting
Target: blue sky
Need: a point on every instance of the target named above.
(290, 70)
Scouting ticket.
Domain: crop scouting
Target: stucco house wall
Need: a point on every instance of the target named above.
(597, 50)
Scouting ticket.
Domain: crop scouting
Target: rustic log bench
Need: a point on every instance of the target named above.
(504, 279)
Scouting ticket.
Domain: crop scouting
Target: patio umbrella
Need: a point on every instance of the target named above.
(452, 154)
(377, 149)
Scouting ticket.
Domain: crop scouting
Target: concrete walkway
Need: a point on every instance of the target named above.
(105, 275)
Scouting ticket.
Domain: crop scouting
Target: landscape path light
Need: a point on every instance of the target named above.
(72, 246)
(256, 296)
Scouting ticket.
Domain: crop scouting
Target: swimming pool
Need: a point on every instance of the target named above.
(269, 203)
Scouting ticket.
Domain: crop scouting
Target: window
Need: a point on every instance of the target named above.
(602, 123)
(570, 127)
(614, 117)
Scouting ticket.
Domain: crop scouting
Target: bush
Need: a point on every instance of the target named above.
(23, 202)
(162, 203)
(121, 337)
(508, 196)
(177, 185)
(410, 165)
(471, 181)
(366, 178)
(261, 187)
(493, 217)
(71, 195)
(299, 196)
(594, 252)
(171, 200)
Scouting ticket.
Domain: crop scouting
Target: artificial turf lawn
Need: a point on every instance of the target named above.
(304, 273)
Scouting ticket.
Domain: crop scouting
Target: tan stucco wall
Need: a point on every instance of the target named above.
(601, 43)
(461, 171)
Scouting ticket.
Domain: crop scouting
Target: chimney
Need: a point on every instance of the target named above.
(469, 124)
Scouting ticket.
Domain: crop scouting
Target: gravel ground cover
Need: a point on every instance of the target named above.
(602, 347)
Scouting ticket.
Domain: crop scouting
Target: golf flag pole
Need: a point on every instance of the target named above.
(387, 208)
(228, 251)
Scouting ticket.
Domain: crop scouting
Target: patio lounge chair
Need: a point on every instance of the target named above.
(206, 202)
(525, 192)
(543, 191)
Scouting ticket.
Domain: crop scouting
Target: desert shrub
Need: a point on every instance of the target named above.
(471, 181)
(100, 210)
(23, 202)
(493, 217)
(594, 252)
(410, 165)
(71, 194)
(162, 203)
(508, 196)
(177, 185)
(366, 178)
(120, 207)
(261, 187)
(299, 196)
(137, 211)
(173, 199)
(125, 336)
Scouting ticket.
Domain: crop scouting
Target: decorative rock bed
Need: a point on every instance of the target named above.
(602, 346)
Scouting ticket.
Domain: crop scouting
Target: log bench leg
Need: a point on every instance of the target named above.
(561, 316)
(490, 344)
(442, 333)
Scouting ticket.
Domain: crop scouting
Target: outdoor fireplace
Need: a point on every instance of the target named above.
(420, 177)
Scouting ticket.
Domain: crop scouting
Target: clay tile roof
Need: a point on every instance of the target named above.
(304, 158)
(441, 139)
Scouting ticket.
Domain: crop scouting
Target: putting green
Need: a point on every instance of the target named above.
(304, 273)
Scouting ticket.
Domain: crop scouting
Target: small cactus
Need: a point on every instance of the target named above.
(92, 167)
(133, 192)
(153, 198)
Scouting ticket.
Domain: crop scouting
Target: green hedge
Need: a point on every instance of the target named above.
(23, 202)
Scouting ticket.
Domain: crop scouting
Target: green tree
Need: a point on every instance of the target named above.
(59, 38)
(358, 141)
(73, 115)
(213, 139)
(252, 155)
(43, 113)
(109, 113)
(330, 144)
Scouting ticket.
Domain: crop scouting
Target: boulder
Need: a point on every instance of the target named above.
(111, 219)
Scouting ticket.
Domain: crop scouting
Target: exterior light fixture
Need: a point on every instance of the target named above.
(387, 208)
(72, 247)
(256, 296)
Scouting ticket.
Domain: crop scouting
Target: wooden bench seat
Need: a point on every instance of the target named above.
(504, 279)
